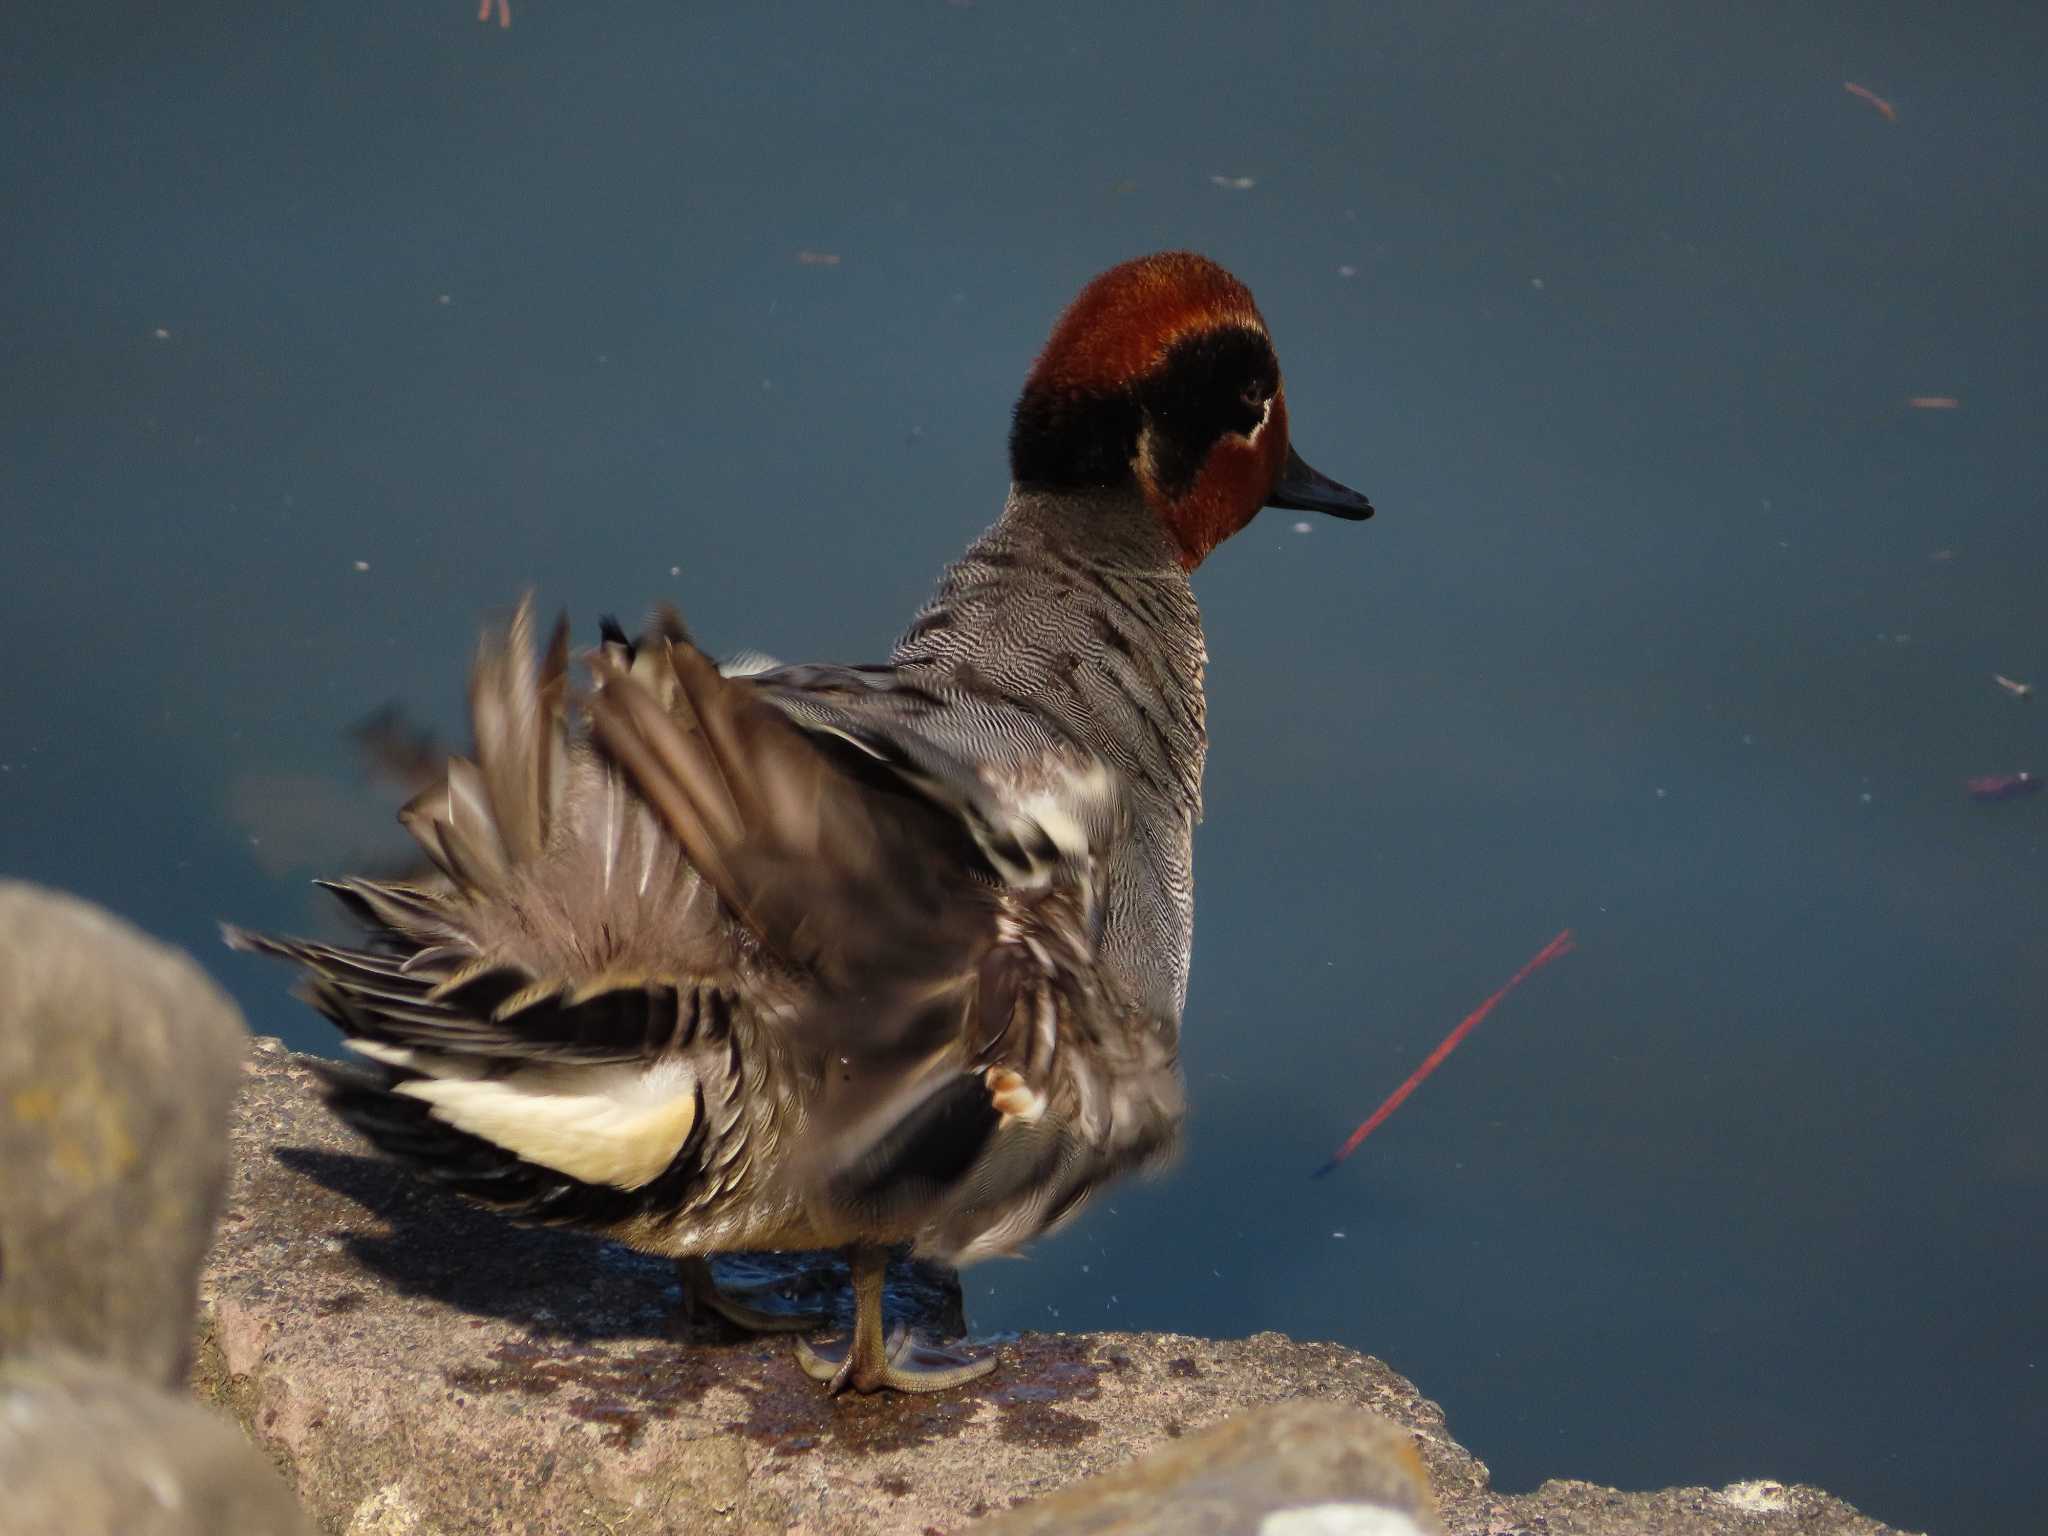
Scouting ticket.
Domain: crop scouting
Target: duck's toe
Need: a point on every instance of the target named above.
(915, 1366)
(905, 1364)
(830, 1362)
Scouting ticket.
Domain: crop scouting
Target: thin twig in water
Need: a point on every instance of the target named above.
(1563, 944)
(1891, 114)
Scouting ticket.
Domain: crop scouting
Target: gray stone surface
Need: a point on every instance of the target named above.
(1302, 1467)
(117, 1068)
(423, 1369)
(86, 1450)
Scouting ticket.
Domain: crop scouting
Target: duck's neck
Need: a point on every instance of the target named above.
(1077, 605)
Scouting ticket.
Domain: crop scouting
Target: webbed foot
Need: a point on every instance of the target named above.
(867, 1362)
(906, 1363)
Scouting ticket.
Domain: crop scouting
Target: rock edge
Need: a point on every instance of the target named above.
(420, 1368)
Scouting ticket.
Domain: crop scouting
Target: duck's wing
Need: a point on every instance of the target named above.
(937, 855)
(841, 842)
(977, 1130)
(930, 859)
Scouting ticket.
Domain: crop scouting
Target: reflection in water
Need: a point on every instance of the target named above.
(304, 823)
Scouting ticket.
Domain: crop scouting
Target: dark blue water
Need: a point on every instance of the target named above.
(329, 328)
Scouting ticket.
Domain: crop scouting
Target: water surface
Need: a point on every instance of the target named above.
(330, 328)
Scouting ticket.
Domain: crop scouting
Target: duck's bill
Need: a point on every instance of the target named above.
(1302, 489)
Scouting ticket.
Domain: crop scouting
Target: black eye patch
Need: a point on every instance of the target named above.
(1211, 383)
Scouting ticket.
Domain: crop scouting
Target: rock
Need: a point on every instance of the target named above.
(117, 1068)
(1565, 1508)
(1298, 1468)
(425, 1369)
(85, 1450)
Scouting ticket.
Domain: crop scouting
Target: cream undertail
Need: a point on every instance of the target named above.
(619, 1125)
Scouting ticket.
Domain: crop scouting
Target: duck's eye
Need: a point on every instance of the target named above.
(1254, 396)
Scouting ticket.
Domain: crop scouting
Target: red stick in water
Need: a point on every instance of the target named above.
(1891, 113)
(1561, 945)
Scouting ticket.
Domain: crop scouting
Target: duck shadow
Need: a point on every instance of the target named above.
(561, 1284)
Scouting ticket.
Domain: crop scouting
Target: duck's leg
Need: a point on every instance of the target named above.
(701, 1290)
(868, 1361)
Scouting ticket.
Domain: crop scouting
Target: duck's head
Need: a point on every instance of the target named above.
(1162, 374)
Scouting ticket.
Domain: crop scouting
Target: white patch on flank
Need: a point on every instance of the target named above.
(1058, 807)
(618, 1125)
(1052, 811)
(1050, 797)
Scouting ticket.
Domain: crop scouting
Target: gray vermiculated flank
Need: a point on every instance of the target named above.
(1078, 607)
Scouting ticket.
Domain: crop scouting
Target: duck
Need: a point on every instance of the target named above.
(795, 956)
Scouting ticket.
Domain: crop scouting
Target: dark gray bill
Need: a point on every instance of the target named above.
(1302, 489)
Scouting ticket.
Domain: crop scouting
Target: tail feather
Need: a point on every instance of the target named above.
(396, 909)
(517, 710)
(499, 1012)
(484, 819)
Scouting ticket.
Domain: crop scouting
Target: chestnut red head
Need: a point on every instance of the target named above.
(1161, 373)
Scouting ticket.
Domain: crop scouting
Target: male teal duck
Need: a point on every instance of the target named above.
(833, 955)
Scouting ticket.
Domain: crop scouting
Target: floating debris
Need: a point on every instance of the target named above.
(818, 258)
(2002, 786)
(1561, 945)
(1943, 554)
(1891, 114)
(1303, 528)
(362, 565)
(1234, 183)
(1347, 270)
(161, 334)
(1934, 403)
(2018, 690)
